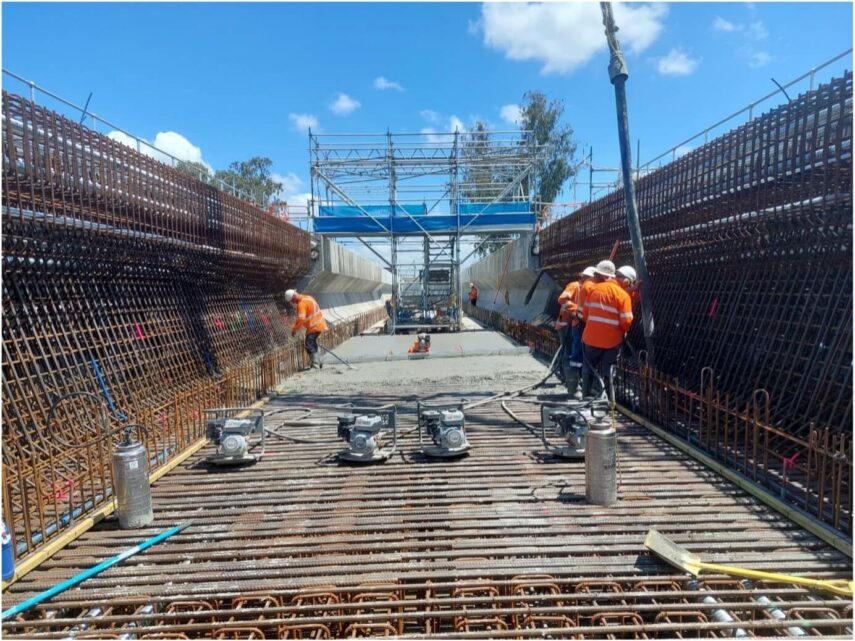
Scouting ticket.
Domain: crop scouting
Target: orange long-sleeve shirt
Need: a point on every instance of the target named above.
(607, 314)
(309, 315)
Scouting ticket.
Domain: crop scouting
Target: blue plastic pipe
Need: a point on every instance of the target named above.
(24, 605)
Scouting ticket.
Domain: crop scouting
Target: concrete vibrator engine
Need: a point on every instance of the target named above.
(370, 433)
(239, 440)
(569, 423)
(445, 426)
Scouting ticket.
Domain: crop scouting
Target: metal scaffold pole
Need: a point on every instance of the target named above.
(618, 73)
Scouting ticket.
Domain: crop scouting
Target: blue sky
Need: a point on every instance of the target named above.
(238, 80)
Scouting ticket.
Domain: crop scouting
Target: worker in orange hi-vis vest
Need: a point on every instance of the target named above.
(309, 315)
(473, 295)
(569, 326)
(608, 316)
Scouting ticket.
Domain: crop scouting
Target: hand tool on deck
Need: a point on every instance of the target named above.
(336, 356)
(681, 558)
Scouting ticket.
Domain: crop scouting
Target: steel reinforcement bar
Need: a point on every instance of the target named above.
(128, 279)
(500, 544)
(749, 248)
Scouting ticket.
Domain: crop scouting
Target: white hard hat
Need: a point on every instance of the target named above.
(627, 272)
(605, 268)
(471, 284)
(589, 272)
(289, 294)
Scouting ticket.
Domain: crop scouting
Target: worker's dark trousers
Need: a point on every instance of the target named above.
(600, 360)
(312, 342)
(473, 302)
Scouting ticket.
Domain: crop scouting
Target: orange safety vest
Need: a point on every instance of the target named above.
(309, 315)
(574, 294)
(569, 300)
(473, 293)
(607, 315)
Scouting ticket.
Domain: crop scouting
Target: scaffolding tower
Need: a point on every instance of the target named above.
(423, 204)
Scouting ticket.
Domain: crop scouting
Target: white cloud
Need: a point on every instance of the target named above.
(720, 24)
(431, 135)
(166, 144)
(755, 30)
(383, 84)
(676, 63)
(682, 150)
(511, 114)
(565, 36)
(430, 115)
(757, 59)
(290, 191)
(344, 105)
(303, 122)
(455, 124)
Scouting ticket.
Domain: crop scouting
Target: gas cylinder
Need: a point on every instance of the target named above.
(8, 556)
(130, 484)
(600, 463)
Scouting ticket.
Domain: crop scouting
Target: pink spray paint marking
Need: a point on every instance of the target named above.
(218, 323)
(714, 307)
(62, 489)
(140, 335)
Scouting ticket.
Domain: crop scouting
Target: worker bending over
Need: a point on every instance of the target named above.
(608, 316)
(473, 295)
(309, 315)
(570, 326)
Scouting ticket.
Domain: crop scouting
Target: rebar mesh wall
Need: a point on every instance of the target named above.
(749, 247)
(127, 279)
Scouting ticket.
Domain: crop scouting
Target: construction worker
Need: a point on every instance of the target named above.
(608, 316)
(421, 344)
(309, 315)
(473, 295)
(628, 279)
(569, 326)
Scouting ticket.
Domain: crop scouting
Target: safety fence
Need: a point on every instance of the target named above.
(748, 241)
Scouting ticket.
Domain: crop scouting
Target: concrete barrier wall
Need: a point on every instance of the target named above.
(505, 277)
(344, 283)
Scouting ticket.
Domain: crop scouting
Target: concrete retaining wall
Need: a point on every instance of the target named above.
(505, 277)
(344, 283)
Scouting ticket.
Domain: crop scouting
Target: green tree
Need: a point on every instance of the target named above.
(195, 169)
(251, 176)
(540, 119)
(480, 181)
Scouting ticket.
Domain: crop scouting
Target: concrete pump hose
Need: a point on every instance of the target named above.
(521, 390)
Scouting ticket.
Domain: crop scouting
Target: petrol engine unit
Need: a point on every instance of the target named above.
(445, 425)
(238, 440)
(370, 436)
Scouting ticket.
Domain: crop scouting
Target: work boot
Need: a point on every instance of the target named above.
(314, 361)
(574, 374)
